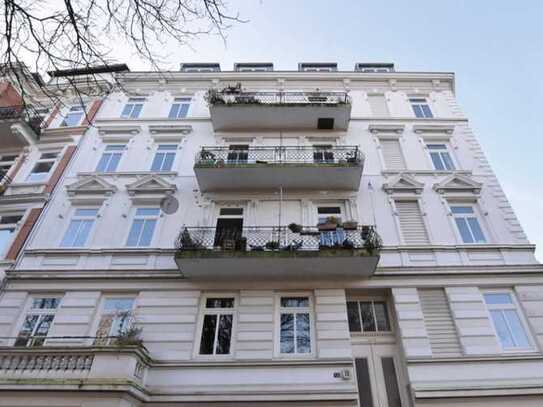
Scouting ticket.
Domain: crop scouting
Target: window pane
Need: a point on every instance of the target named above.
(157, 162)
(354, 316)
(136, 111)
(501, 328)
(126, 110)
(147, 212)
(102, 164)
(208, 334)
(168, 162)
(436, 160)
(183, 110)
(83, 233)
(224, 335)
(461, 209)
(519, 335)
(294, 302)
(86, 212)
(113, 162)
(418, 111)
(71, 234)
(287, 333)
(147, 234)
(476, 230)
(135, 231)
(447, 161)
(368, 322)
(45, 303)
(426, 111)
(381, 316)
(118, 304)
(498, 299)
(464, 230)
(173, 111)
(220, 303)
(43, 325)
(26, 330)
(5, 238)
(303, 339)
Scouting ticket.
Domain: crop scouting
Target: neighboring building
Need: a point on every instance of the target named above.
(234, 218)
(39, 133)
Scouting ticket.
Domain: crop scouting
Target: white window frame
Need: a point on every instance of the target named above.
(72, 110)
(420, 103)
(476, 213)
(277, 324)
(181, 100)
(134, 101)
(447, 149)
(111, 152)
(371, 299)
(514, 306)
(53, 161)
(396, 216)
(28, 310)
(7, 226)
(389, 137)
(144, 217)
(158, 151)
(73, 217)
(203, 311)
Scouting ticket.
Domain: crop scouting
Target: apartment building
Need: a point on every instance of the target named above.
(257, 237)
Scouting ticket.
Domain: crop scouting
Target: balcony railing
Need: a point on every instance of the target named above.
(5, 180)
(24, 113)
(227, 156)
(260, 239)
(235, 95)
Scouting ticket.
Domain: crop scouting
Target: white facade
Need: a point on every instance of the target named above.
(455, 268)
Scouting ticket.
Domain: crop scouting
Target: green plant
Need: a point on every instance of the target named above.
(130, 337)
(272, 245)
(372, 241)
(295, 228)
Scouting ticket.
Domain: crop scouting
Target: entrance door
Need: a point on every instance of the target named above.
(228, 233)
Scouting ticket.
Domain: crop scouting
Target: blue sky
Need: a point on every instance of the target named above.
(495, 49)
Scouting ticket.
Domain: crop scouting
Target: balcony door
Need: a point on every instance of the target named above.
(323, 153)
(238, 154)
(229, 228)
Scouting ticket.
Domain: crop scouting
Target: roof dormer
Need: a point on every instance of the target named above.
(253, 67)
(200, 67)
(317, 67)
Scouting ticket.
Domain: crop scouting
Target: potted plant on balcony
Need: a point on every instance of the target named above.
(130, 337)
(272, 245)
(295, 228)
(372, 241)
(350, 225)
(331, 223)
(207, 157)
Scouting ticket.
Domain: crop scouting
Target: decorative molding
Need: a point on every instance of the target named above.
(433, 128)
(403, 183)
(89, 190)
(458, 183)
(386, 128)
(170, 129)
(118, 133)
(150, 189)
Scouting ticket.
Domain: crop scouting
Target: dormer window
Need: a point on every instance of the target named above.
(317, 67)
(253, 67)
(373, 67)
(200, 67)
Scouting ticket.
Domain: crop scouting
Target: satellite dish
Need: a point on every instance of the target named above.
(169, 205)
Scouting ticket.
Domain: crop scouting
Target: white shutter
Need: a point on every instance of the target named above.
(378, 105)
(392, 155)
(439, 322)
(411, 222)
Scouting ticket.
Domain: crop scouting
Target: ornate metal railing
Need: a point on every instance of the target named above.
(25, 113)
(235, 95)
(291, 238)
(5, 180)
(338, 155)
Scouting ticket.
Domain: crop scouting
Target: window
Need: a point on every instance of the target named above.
(38, 321)
(421, 108)
(180, 108)
(412, 226)
(143, 227)
(116, 318)
(295, 325)
(164, 157)
(73, 117)
(79, 229)
(43, 167)
(508, 324)
(330, 238)
(468, 224)
(368, 316)
(8, 224)
(133, 108)
(217, 322)
(237, 153)
(392, 154)
(441, 158)
(6, 162)
(323, 153)
(378, 105)
(110, 158)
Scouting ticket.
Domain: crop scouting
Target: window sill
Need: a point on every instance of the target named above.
(126, 173)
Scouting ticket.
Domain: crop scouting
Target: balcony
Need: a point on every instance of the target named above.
(19, 126)
(265, 168)
(235, 109)
(277, 253)
(5, 180)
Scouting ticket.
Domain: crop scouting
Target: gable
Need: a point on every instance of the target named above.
(94, 185)
(403, 183)
(150, 184)
(458, 183)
